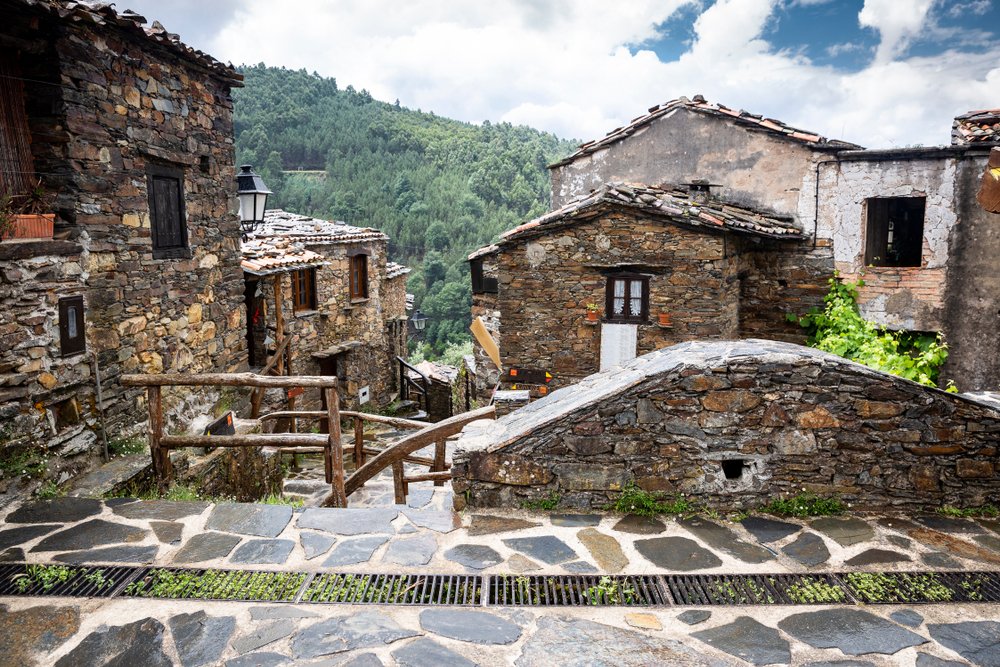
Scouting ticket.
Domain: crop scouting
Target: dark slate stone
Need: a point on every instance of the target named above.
(580, 567)
(640, 525)
(899, 541)
(411, 551)
(478, 627)
(262, 552)
(898, 524)
(475, 556)
(877, 557)
(852, 631)
(163, 510)
(947, 524)
(282, 611)
(167, 532)
(259, 520)
(206, 546)
(262, 636)
(200, 638)
(769, 530)
(16, 536)
(808, 549)
(844, 532)
(442, 522)
(840, 663)
(266, 659)
(574, 520)
(345, 633)
(36, 630)
(138, 643)
(720, 537)
(315, 544)
(678, 554)
(992, 524)
(363, 660)
(989, 541)
(484, 524)
(928, 660)
(57, 510)
(976, 641)
(907, 617)
(694, 616)
(349, 521)
(575, 642)
(545, 548)
(358, 550)
(425, 652)
(13, 555)
(936, 559)
(89, 534)
(125, 554)
(116, 502)
(747, 639)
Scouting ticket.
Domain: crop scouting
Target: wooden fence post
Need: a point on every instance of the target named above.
(440, 450)
(359, 443)
(161, 457)
(398, 483)
(334, 457)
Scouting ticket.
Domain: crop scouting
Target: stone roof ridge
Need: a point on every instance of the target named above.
(314, 230)
(395, 270)
(665, 201)
(700, 105)
(130, 22)
(976, 127)
(482, 252)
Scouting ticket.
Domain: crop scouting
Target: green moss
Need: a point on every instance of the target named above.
(805, 504)
(634, 500)
(546, 504)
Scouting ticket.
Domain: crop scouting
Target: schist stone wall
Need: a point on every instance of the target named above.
(735, 424)
(123, 105)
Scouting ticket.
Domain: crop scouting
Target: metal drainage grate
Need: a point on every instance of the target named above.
(577, 590)
(403, 589)
(757, 589)
(923, 587)
(64, 580)
(195, 584)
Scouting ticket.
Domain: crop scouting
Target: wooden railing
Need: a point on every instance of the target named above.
(408, 384)
(160, 444)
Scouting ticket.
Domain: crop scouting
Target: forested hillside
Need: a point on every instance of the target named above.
(438, 187)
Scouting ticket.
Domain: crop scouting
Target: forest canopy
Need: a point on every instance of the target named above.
(439, 188)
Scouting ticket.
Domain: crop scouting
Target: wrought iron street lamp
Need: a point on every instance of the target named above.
(419, 320)
(253, 199)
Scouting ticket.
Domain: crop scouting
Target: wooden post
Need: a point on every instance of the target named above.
(440, 450)
(161, 457)
(398, 483)
(279, 323)
(359, 443)
(334, 457)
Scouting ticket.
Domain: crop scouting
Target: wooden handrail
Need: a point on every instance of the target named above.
(319, 414)
(393, 456)
(229, 380)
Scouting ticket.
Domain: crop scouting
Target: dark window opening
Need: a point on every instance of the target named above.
(205, 164)
(165, 187)
(482, 284)
(732, 468)
(895, 231)
(17, 169)
(71, 334)
(359, 277)
(304, 289)
(66, 413)
(627, 298)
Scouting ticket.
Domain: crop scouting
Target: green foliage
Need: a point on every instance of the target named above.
(45, 577)
(805, 504)
(546, 504)
(438, 187)
(126, 446)
(217, 585)
(809, 590)
(278, 499)
(49, 490)
(839, 329)
(875, 587)
(610, 591)
(28, 462)
(634, 500)
(962, 512)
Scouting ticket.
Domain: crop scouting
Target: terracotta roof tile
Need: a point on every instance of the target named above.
(976, 127)
(754, 121)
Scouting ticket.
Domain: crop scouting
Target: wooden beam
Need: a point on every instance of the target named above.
(440, 451)
(247, 440)
(279, 322)
(359, 442)
(436, 477)
(161, 457)
(398, 483)
(227, 380)
(338, 496)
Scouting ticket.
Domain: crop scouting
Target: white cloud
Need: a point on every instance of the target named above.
(563, 66)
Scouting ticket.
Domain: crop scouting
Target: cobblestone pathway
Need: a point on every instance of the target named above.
(425, 536)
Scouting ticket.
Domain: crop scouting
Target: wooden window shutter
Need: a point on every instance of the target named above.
(359, 276)
(166, 212)
(72, 338)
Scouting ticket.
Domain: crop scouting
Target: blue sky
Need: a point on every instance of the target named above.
(882, 73)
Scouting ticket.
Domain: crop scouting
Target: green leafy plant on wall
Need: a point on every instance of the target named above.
(838, 328)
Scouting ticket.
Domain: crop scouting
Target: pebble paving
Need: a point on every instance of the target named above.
(430, 538)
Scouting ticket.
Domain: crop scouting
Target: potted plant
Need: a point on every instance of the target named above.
(664, 320)
(27, 215)
(591, 312)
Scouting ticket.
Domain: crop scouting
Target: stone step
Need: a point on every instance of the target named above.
(118, 471)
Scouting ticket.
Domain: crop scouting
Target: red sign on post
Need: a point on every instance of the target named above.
(295, 391)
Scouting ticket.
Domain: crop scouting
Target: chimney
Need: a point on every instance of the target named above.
(700, 190)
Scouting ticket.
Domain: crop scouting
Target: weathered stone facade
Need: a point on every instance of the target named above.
(734, 424)
(125, 101)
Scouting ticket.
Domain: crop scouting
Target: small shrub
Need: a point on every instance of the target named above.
(963, 512)
(49, 490)
(22, 462)
(278, 499)
(546, 504)
(634, 500)
(127, 446)
(610, 591)
(805, 504)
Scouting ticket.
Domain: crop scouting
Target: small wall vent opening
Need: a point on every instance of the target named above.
(733, 468)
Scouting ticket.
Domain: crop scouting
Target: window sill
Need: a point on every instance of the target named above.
(355, 302)
(306, 313)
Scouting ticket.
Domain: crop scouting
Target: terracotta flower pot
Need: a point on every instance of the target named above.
(664, 319)
(32, 226)
(592, 315)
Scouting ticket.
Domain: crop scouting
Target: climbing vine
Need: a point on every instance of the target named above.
(838, 328)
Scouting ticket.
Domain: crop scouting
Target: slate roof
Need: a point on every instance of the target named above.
(482, 252)
(131, 23)
(313, 231)
(699, 104)
(976, 127)
(675, 205)
(394, 270)
(276, 254)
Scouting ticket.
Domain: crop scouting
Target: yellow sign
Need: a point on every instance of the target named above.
(484, 338)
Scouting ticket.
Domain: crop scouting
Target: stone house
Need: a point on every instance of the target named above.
(343, 303)
(130, 132)
(736, 161)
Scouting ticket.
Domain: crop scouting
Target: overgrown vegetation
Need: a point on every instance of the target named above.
(217, 585)
(43, 578)
(963, 512)
(805, 504)
(838, 328)
(634, 500)
(181, 492)
(126, 446)
(810, 590)
(876, 587)
(610, 591)
(438, 187)
(17, 462)
(49, 490)
(546, 504)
